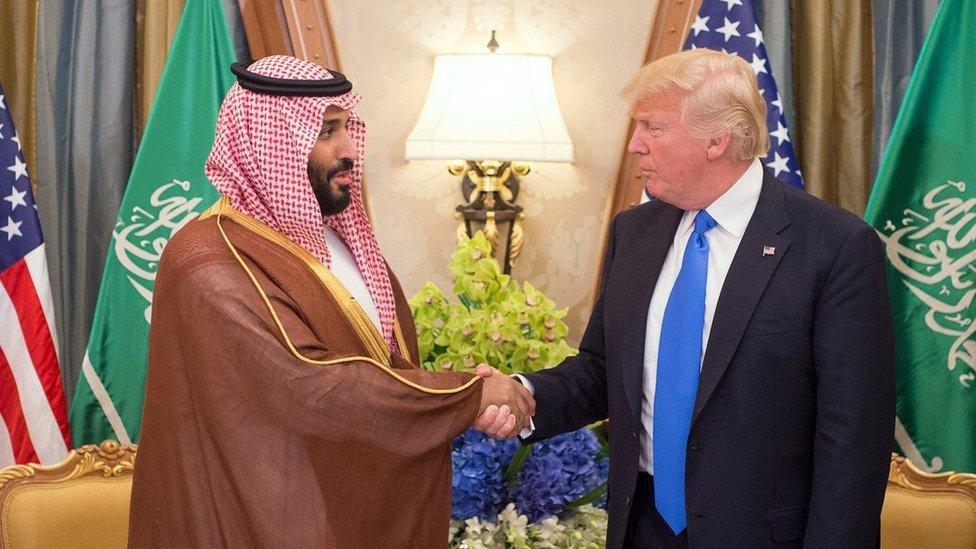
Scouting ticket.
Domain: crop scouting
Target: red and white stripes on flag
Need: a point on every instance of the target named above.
(35, 425)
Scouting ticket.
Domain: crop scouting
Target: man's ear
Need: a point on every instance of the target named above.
(717, 145)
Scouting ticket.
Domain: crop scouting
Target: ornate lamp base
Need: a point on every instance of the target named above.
(490, 188)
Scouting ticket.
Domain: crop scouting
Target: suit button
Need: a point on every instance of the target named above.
(693, 447)
(627, 501)
(636, 436)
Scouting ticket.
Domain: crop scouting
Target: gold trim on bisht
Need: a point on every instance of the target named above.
(401, 341)
(350, 307)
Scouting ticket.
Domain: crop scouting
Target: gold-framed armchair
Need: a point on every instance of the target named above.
(81, 502)
(928, 510)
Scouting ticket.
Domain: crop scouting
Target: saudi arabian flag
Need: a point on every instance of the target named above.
(167, 189)
(924, 207)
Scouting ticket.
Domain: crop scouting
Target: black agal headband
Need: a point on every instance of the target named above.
(259, 83)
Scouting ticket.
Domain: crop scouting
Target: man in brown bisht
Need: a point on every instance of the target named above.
(283, 404)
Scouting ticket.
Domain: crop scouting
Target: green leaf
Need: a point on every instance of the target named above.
(589, 497)
(468, 302)
(511, 473)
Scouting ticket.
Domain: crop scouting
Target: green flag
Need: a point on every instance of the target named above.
(167, 189)
(924, 207)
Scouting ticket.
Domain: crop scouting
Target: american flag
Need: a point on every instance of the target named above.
(35, 425)
(730, 26)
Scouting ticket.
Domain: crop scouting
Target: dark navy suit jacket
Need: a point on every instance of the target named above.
(793, 422)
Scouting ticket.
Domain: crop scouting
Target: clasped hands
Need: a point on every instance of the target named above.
(506, 406)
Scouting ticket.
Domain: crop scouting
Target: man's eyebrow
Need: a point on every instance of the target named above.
(656, 116)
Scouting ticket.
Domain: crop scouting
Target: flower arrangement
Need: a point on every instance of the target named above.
(549, 494)
(586, 528)
(515, 329)
(559, 472)
(479, 464)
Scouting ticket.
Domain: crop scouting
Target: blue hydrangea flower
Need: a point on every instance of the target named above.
(479, 463)
(558, 472)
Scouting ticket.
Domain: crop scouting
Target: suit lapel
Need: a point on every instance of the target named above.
(653, 240)
(745, 283)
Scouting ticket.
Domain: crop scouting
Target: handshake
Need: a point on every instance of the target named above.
(507, 406)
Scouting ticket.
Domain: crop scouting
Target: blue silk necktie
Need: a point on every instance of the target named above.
(678, 367)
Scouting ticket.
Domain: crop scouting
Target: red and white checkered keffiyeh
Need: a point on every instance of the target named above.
(260, 161)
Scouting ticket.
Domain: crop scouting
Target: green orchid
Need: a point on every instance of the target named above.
(515, 328)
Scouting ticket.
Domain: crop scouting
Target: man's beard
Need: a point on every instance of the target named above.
(331, 201)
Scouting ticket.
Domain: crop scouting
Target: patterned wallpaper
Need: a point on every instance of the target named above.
(387, 49)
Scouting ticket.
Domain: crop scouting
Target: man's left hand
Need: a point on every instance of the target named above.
(501, 421)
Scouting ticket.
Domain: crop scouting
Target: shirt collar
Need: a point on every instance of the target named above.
(733, 210)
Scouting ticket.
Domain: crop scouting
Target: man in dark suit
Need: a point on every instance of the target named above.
(741, 346)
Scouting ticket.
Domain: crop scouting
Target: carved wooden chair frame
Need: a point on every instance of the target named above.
(905, 474)
(106, 460)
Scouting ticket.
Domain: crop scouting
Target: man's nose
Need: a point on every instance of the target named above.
(347, 149)
(636, 145)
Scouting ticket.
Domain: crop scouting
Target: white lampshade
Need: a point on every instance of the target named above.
(491, 107)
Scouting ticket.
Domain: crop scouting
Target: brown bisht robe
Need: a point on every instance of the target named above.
(244, 444)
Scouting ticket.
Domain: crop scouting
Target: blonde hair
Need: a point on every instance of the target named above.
(721, 95)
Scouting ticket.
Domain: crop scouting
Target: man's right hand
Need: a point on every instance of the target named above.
(506, 406)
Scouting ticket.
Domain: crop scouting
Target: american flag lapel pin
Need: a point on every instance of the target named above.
(769, 250)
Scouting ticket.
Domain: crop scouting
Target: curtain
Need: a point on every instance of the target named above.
(156, 22)
(85, 54)
(18, 30)
(773, 17)
(833, 87)
(900, 27)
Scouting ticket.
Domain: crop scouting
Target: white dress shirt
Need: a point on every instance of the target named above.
(345, 269)
(732, 211)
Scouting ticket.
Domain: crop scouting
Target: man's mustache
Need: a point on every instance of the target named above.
(342, 165)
